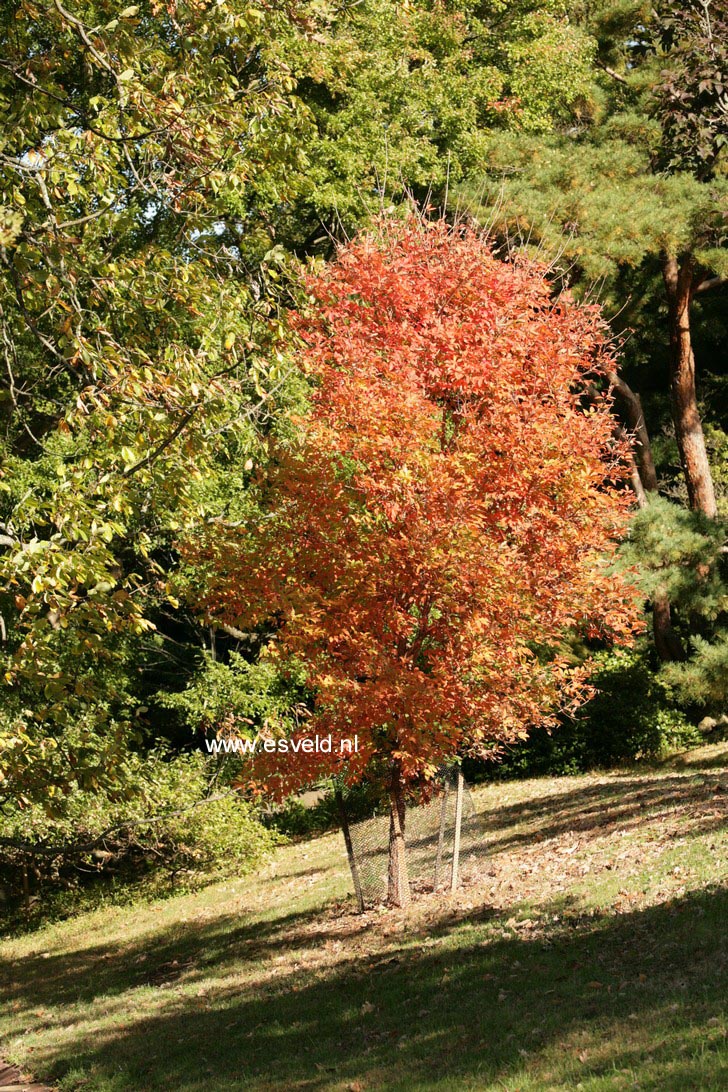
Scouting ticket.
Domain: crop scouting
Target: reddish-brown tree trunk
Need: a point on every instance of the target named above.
(668, 645)
(398, 889)
(679, 277)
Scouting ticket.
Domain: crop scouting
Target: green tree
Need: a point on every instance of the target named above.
(157, 161)
(681, 558)
(633, 198)
(402, 97)
(639, 184)
(131, 342)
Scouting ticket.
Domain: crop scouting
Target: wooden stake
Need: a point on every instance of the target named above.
(398, 888)
(458, 824)
(441, 835)
(350, 849)
(26, 889)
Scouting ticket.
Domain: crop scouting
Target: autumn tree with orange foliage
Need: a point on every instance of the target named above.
(449, 511)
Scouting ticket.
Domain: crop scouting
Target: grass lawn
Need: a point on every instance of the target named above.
(586, 949)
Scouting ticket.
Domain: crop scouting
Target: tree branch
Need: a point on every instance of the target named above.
(711, 282)
(610, 72)
(147, 460)
(636, 421)
(232, 631)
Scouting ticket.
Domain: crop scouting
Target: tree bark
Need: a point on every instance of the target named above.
(668, 645)
(635, 418)
(398, 889)
(679, 278)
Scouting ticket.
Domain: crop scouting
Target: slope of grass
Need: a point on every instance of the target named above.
(586, 949)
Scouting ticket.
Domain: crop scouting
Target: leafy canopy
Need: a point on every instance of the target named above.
(449, 508)
(403, 96)
(131, 345)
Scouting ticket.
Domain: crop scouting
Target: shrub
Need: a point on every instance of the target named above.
(631, 717)
(294, 819)
(179, 832)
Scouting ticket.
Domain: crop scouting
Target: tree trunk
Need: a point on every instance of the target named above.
(398, 889)
(668, 645)
(688, 426)
(635, 418)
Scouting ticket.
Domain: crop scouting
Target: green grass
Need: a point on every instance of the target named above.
(586, 949)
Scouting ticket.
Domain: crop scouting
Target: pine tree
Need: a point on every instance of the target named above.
(638, 185)
(633, 199)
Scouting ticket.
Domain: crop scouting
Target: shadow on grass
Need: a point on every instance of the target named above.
(623, 801)
(619, 801)
(157, 957)
(468, 1005)
(689, 761)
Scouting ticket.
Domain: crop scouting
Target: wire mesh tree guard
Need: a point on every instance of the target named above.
(438, 835)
